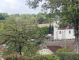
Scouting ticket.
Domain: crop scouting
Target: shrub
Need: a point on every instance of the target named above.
(45, 57)
(15, 57)
(68, 56)
(63, 50)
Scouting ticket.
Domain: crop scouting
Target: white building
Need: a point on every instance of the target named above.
(63, 33)
(48, 50)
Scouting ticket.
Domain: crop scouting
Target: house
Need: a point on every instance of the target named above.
(62, 33)
(48, 50)
(1, 50)
(71, 47)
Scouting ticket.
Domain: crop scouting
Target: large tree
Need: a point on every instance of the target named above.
(69, 12)
(17, 32)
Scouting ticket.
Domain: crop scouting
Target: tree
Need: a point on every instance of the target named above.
(5, 15)
(63, 50)
(70, 16)
(69, 13)
(43, 30)
(2, 17)
(16, 33)
(29, 50)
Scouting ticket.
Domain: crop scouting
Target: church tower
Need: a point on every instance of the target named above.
(55, 24)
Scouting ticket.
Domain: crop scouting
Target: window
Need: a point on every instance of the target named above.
(60, 32)
(56, 22)
(69, 32)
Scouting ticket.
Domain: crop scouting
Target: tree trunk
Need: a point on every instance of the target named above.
(76, 36)
(20, 49)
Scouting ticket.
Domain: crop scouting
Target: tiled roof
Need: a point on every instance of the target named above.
(68, 27)
(2, 48)
(54, 48)
(71, 47)
(60, 28)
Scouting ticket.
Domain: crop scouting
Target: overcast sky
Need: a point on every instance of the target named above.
(17, 6)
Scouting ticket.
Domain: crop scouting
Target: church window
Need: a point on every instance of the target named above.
(60, 32)
(56, 22)
(69, 32)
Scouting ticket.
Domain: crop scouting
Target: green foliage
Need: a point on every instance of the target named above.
(40, 20)
(51, 28)
(69, 14)
(44, 30)
(2, 17)
(68, 56)
(73, 43)
(5, 15)
(40, 17)
(29, 50)
(45, 57)
(15, 57)
(63, 50)
(17, 32)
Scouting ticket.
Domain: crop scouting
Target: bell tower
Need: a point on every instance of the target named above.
(55, 24)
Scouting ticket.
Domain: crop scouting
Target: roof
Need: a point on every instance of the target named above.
(2, 48)
(67, 27)
(53, 48)
(71, 47)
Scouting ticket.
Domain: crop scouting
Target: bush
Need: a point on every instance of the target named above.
(45, 57)
(63, 50)
(15, 57)
(68, 56)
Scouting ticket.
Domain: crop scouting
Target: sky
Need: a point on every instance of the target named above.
(17, 7)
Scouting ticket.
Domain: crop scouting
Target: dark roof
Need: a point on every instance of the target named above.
(54, 48)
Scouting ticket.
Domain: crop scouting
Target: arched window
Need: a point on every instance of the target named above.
(59, 32)
(69, 32)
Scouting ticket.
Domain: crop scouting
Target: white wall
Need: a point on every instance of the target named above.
(44, 51)
(71, 35)
(64, 34)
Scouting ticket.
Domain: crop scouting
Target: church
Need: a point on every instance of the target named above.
(62, 33)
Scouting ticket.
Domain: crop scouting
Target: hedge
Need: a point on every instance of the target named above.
(15, 57)
(68, 56)
(45, 57)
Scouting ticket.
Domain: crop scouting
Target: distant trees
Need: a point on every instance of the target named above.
(43, 30)
(40, 17)
(1, 17)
